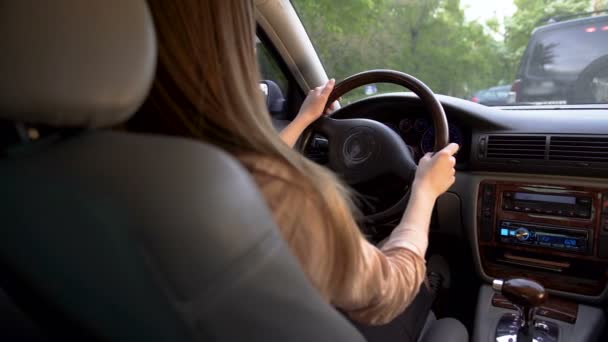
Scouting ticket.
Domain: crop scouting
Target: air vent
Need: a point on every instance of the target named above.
(516, 147)
(579, 149)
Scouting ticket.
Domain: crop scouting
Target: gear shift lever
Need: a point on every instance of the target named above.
(526, 295)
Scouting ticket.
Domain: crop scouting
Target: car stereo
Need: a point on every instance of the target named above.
(554, 232)
(554, 205)
(525, 233)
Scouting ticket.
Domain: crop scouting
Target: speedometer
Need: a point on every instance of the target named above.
(427, 142)
(406, 125)
(421, 125)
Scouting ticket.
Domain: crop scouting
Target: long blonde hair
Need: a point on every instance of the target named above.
(207, 88)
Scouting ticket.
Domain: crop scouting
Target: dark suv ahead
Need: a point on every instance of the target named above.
(565, 63)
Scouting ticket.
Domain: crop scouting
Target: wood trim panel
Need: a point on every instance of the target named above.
(590, 286)
(575, 272)
(592, 224)
(556, 308)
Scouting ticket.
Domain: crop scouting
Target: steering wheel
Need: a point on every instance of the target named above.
(361, 150)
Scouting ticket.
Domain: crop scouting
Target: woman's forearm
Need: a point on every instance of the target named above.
(420, 208)
(388, 280)
(291, 133)
(413, 230)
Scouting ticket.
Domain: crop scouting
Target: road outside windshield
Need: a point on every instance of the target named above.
(496, 53)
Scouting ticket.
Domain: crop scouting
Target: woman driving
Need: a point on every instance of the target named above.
(207, 88)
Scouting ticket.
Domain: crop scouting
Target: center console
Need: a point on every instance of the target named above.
(554, 234)
(491, 318)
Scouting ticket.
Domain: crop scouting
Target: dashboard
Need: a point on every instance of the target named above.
(416, 129)
(559, 154)
(567, 141)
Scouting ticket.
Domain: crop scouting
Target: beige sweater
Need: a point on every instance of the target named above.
(386, 280)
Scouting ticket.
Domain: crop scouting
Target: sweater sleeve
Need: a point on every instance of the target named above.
(387, 281)
(380, 283)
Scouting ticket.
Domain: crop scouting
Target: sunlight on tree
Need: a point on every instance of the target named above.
(429, 39)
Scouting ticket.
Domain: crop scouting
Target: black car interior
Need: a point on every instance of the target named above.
(114, 236)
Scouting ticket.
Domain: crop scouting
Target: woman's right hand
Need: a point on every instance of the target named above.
(436, 173)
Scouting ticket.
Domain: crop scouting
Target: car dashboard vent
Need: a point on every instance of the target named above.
(579, 149)
(516, 147)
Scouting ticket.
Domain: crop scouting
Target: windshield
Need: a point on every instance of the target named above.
(497, 53)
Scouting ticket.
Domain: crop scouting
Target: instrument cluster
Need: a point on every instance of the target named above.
(419, 134)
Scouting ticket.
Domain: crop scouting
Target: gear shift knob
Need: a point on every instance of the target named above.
(527, 295)
(522, 292)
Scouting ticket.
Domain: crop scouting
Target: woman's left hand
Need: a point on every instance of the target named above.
(314, 104)
(311, 110)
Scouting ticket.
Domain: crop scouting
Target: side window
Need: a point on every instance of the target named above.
(502, 93)
(275, 83)
(269, 67)
(541, 55)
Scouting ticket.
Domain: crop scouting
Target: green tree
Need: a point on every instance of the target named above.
(600, 5)
(430, 39)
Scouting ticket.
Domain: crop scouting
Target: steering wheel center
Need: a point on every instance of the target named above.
(359, 146)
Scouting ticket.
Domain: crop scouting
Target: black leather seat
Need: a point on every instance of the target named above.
(113, 236)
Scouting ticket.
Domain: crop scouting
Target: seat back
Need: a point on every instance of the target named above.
(112, 236)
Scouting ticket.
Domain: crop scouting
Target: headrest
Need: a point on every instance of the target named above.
(75, 63)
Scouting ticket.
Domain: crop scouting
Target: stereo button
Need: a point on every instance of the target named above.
(582, 213)
(522, 234)
(584, 201)
(489, 191)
